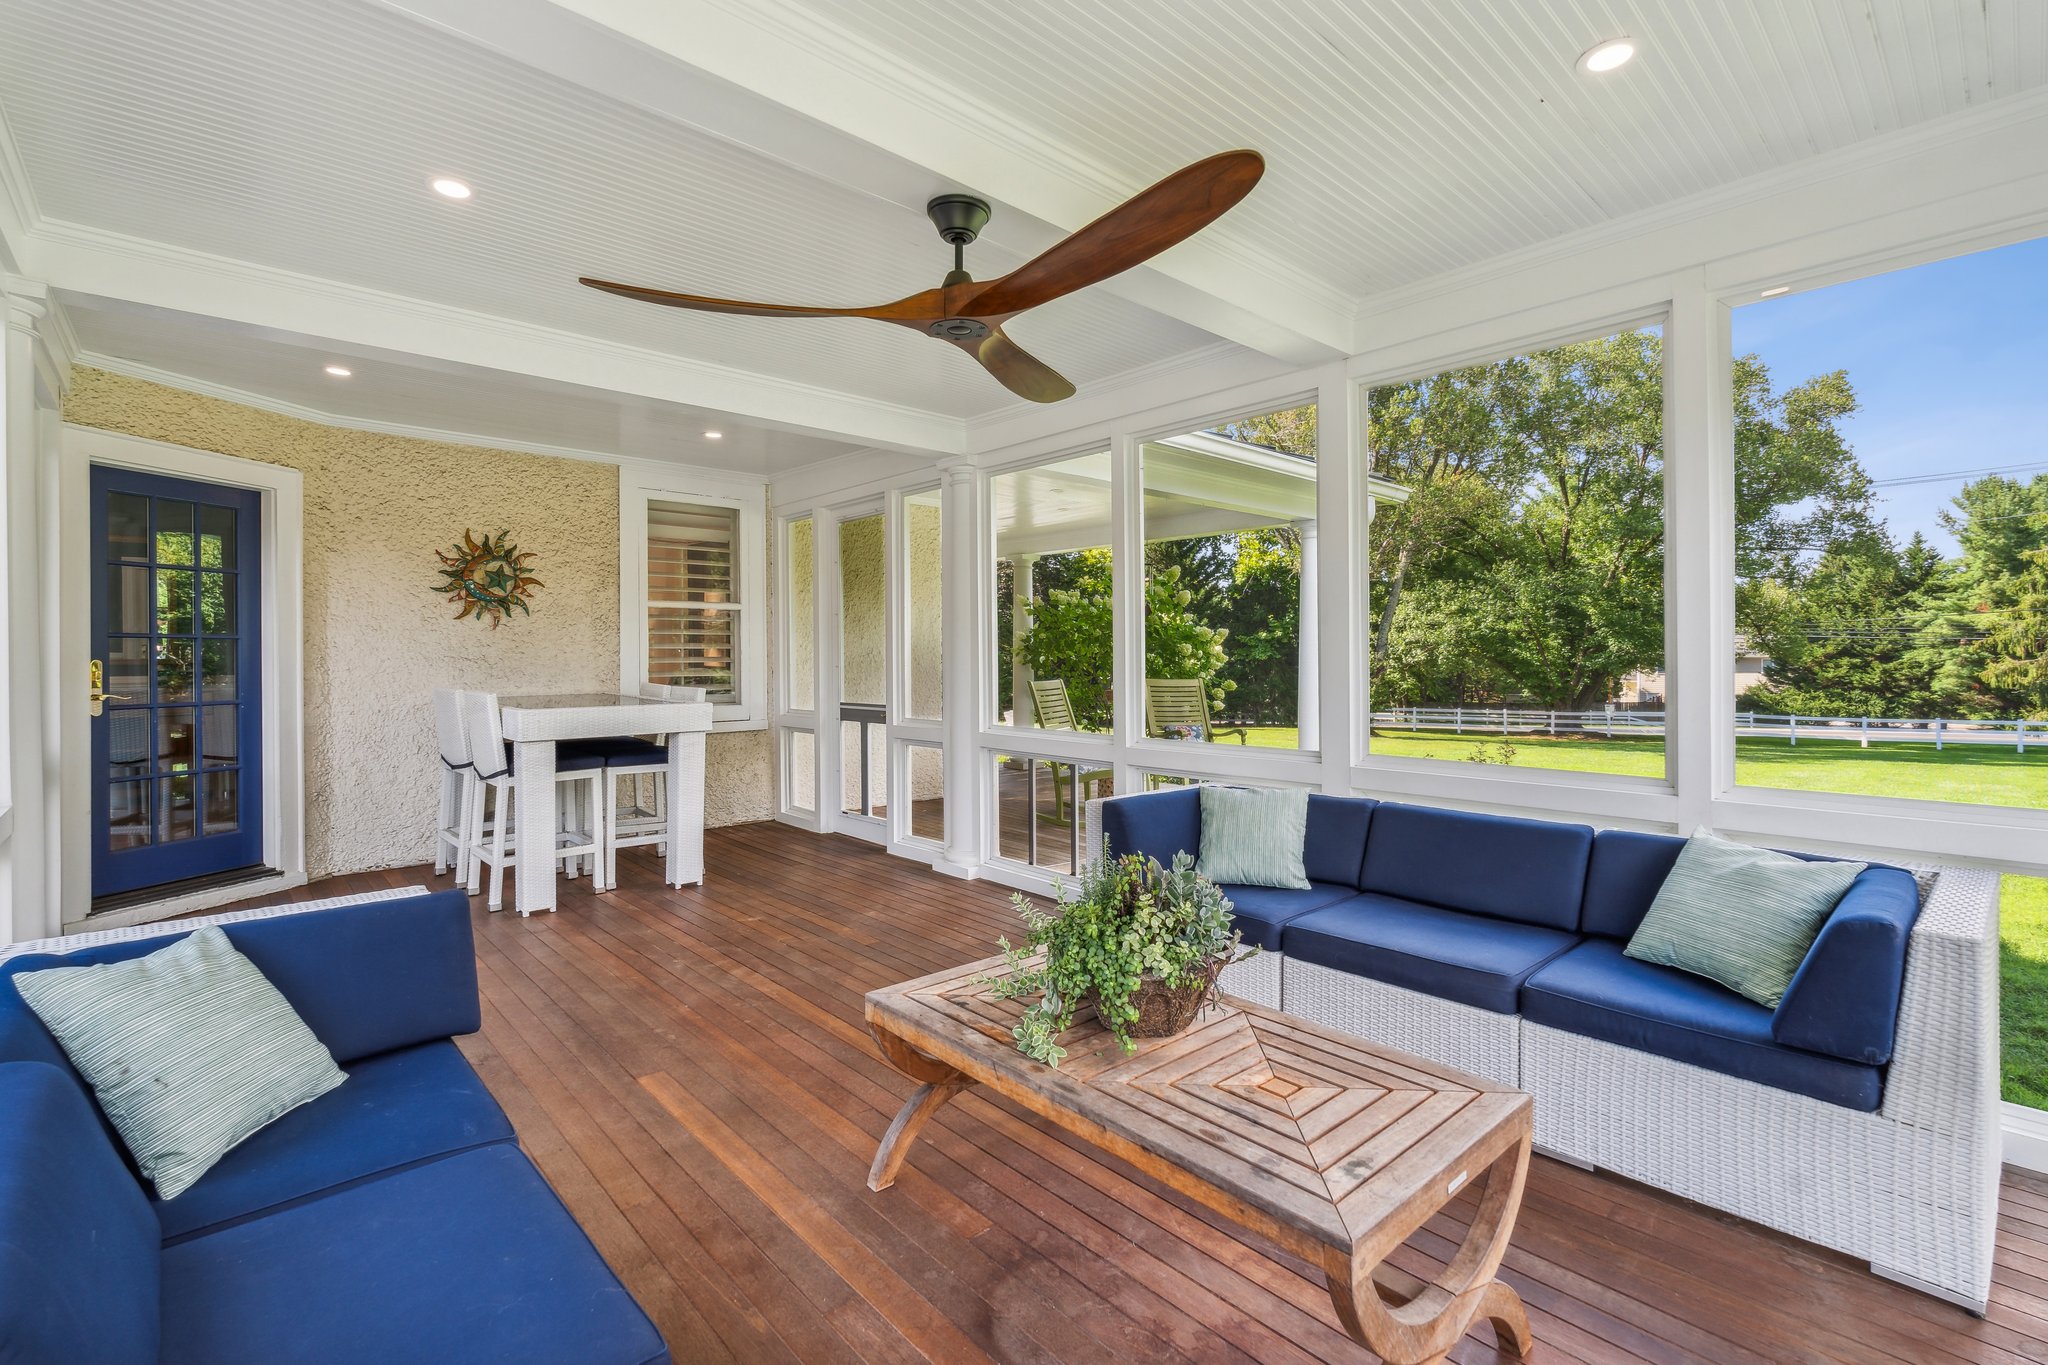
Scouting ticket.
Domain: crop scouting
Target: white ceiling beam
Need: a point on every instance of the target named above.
(109, 265)
(777, 79)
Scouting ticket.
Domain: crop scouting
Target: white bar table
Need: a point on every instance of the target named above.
(535, 724)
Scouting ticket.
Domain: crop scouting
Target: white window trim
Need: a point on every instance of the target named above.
(642, 485)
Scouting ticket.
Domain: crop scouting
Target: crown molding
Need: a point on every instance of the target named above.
(1876, 153)
(205, 388)
(19, 215)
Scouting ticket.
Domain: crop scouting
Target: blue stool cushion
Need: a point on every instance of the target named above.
(570, 757)
(79, 1278)
(1595, 991)
(1263, 911)
(1446, 953)
(394, 1111)
(468, 1259)
(627, 752)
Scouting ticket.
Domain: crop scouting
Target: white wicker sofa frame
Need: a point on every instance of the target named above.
(1912, 1188)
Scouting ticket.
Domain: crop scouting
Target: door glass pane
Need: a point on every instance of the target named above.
(128, 667)
(925, 689)
(177, 816)
(217, 537)
(927, 777)
(217, 671)
(803, 652)
(173, 602)
(176, 731)
(173, 532)
(127, 815)
(174, 670)
(862, 597)
(220, 735)
(223, 810)
(217, 603)
(128, 527)
(128, 600)
(128, 741)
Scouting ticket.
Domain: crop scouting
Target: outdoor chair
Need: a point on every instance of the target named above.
(1056, 712)
(1178, 708)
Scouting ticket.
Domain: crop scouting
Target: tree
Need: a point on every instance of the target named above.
(1071, 638)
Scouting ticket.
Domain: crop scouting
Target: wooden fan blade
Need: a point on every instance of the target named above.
(1019, 371)
(919, 308)
(1133, 232)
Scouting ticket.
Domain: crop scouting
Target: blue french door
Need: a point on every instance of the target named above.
(177, 745)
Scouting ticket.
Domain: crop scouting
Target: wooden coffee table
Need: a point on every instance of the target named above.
(1336, 1149)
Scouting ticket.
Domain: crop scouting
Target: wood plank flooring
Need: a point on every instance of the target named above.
(691, 1071)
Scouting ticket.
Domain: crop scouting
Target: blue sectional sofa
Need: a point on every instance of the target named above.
(393, 1219)
(1861, 1112)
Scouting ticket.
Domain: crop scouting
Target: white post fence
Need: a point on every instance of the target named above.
(1613, 722)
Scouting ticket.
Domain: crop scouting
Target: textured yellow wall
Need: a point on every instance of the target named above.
(378, 640)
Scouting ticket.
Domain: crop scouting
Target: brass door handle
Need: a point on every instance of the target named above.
(95, 699)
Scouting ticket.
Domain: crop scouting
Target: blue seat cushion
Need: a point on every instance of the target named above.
(79, 1278)
(471, 1258)
(1263, 911)
(393, 1111)
(1471, 959)
(1595, 991)
(1533, 871)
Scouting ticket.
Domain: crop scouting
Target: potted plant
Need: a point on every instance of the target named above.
(1141, 942)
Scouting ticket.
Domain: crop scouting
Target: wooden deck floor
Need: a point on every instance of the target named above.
(691, 1071)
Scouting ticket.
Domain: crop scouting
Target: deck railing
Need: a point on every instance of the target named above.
(1616, 723)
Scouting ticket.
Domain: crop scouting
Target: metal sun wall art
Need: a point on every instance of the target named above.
(487, 578)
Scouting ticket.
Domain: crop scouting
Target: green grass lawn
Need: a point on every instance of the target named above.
(1980, 774)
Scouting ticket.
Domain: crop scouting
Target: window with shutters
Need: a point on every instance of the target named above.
(693, 598)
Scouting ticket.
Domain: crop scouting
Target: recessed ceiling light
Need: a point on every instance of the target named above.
(340, 371)
(451, 189)
(1776, 290)
(1606, 56)
(713, 435)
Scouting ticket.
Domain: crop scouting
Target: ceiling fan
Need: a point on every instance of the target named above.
(970, 314)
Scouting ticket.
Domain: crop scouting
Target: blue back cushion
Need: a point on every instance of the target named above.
(1844, 1000)
(1156, 824)
(1162, 823)
(78, 1243)
(1623, 878)
(1533, 871)
(365, 978)
(1334, 850)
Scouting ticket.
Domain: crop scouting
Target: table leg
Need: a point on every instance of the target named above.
(940, 1084)
(685, 864)
(1421, 1329)
(533, 821)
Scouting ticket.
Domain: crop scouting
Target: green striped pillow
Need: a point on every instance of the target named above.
(1741, 916)
(1254, 835)
(190, 1050)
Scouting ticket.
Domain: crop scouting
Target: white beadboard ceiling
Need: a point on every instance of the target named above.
(1404, 141)
(398, 392)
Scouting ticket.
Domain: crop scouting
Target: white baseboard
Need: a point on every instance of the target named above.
(2026, 1136)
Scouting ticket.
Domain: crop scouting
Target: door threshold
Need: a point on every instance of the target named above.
(184, 889)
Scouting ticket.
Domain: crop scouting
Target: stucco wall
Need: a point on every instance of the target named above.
(378, 640)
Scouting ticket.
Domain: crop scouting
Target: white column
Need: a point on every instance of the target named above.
(1021, 601)
(962, 543)
(1308, 666)
(29, 909)
(1699, 552)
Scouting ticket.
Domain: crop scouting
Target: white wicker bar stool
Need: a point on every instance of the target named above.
(458, 785)
(579, 802)
(636, 823)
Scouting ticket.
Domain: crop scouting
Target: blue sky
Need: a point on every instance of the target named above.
(1949, 362)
